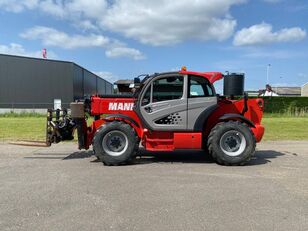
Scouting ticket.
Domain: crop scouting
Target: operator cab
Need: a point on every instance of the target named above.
(174, 101)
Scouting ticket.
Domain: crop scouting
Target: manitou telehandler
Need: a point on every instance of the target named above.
(166, 112)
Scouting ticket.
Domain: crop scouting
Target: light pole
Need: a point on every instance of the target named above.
(267, 73)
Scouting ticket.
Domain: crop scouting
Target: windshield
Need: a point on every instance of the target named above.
(142, 84)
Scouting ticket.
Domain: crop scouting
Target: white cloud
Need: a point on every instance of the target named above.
(165, 22)
(159, 22)
(262, 34)
(86, 25)
(94, 9)
(17, 49)
(52, 37)
(17, 6)
(107, 76)
(117, 52)
(59, 8)
(53, 8)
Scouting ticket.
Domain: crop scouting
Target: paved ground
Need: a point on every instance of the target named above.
(58, 188)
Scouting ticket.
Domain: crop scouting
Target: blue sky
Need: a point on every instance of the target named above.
(124, 38)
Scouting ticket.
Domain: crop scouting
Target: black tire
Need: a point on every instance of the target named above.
(231, 143)
(125, 148)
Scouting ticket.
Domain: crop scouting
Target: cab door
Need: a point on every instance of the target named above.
(163, 104)
(202, 100)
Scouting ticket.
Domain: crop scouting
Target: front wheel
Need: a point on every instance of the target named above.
(115, 143)
(231, 143)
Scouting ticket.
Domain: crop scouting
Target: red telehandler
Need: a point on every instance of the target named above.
(166, 112)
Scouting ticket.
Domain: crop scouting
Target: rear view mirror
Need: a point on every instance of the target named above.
(137, 82)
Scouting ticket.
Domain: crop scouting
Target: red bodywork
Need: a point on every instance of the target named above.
(169, 141)
(210, 76)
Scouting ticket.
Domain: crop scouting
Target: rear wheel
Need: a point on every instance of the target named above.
(231, 143)
(115, 143)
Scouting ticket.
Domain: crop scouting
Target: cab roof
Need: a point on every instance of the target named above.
(211, 76)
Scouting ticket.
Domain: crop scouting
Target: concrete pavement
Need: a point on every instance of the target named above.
(60, 188)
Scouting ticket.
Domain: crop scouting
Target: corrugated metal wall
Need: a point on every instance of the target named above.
(101, 86)
(109, 88)
(78, 82)
(86, 84)
(89, 83)
(35, 83)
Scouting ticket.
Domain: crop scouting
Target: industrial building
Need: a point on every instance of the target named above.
(281, 91)
(304, 90)
(33, 83)
(287, 91)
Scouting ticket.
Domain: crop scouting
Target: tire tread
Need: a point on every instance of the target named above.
(217, 157)
(108, 160)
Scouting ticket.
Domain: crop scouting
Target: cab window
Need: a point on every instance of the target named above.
(199, 87)
(167, 88)
(147, 97)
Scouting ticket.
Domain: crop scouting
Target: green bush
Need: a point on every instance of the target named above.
(297, 106)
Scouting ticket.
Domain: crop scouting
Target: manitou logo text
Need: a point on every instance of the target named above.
(121, 106)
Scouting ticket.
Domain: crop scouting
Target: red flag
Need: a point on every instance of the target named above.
(44, 53)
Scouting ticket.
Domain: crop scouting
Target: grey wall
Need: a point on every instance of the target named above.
(86, 84)
(35, 83)
(109, 88)
(78, 82)
(89, 81)
(101, 86)
(25, 81)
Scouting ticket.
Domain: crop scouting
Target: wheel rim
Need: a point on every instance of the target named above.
(115, 143)
(233, 143)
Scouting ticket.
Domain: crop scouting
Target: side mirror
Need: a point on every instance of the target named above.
(137, 82)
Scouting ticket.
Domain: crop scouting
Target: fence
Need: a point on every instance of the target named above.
(20, 108)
